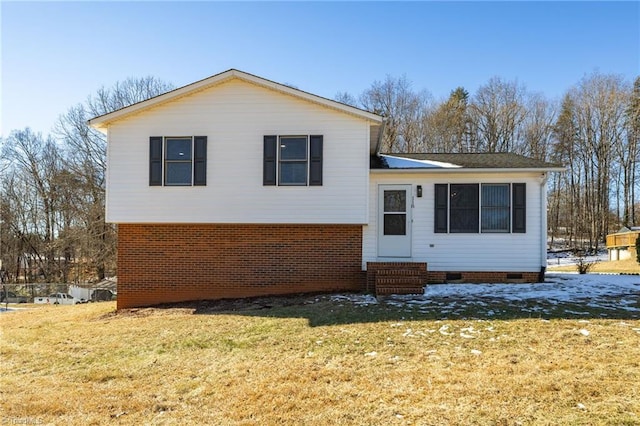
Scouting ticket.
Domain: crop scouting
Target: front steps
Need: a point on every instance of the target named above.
(385, 278)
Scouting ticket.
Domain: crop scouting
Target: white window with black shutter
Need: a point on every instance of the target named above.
(292, 160)
(178, 161)
(480, 207)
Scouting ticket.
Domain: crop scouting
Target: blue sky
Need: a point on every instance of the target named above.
(55, 54)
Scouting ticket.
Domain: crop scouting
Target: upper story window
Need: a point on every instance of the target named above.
(468, 208)
(178, 161)
(294, 160)
(292, 157)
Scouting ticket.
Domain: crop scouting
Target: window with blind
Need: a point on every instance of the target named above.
(496, 207)
(486, 208)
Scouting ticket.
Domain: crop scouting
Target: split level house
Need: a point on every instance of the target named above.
(237, 186)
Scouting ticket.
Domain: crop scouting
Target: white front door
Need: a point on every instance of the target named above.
(394, 220)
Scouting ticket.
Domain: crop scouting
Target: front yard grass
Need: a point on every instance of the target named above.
(316, 360)
(627, 266)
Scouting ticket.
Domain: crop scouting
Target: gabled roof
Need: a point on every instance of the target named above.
(630, 229)
(461, 162)
(103, 121)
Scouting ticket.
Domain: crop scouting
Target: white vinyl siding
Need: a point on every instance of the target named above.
(235, 116)
(489, 251)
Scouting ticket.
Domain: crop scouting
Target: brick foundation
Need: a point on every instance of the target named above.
(483, 277)
(175, 262)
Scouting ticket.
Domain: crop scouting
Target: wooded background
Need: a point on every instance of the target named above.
(52, 226)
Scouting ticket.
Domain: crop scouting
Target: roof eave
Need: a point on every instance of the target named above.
(471, 170)
(102, 122)
(309, 96)
(378, 146)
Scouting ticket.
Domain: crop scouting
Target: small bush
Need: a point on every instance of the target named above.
(638, 249)
(582, 265)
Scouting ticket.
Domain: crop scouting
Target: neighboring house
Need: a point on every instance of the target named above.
(622, 244)
(237, 186)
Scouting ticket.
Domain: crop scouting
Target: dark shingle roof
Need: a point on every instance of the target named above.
(498, 160)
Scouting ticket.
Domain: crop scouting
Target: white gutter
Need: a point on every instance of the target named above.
(470, 170)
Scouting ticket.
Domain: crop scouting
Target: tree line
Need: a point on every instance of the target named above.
(52, 193)
(52, 187)
(594, 131)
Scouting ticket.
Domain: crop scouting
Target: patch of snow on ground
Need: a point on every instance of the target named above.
(567, 258)
(10, 309)
(565, 291)
(560, 288)
(608, 293)
(356, 299)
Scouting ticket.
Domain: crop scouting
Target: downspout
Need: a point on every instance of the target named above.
(369, 195)
(543, 226)
(377, 154)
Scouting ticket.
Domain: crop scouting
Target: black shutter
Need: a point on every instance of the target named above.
(440, 203)
(155, 161)
(269, 164)
(519, 208)
(200, 160)
(315, 160)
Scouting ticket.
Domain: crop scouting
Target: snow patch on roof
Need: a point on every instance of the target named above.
(408, 163)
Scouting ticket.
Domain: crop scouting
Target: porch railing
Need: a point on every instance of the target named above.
(627, 239)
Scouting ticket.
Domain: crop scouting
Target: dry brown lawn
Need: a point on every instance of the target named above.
(314, 363)
(614, 266)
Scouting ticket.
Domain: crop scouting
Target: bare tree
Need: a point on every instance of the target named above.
(566, 188)
(448, 124)
(590, 139)
(86, 160)
(347, 99)
(52, 192)
(600, 101)
(36, 160)
(497, 111)
(404, 109)
(630, 154)
(537, 127)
